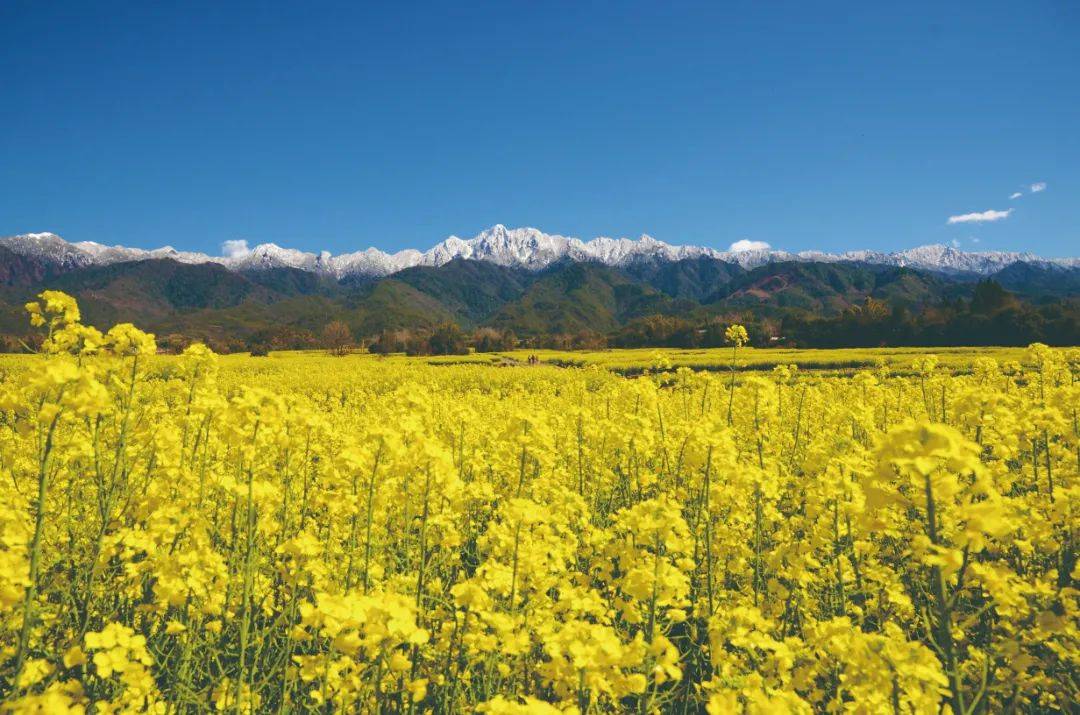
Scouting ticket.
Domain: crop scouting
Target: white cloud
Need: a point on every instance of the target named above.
(746, 244)
(1038, 186)
(989, 215)
(235, 248)
(974, 239)
(955, 243)
(1015, 195)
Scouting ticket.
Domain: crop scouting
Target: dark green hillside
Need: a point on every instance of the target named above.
(683, 300)
(391, 304)
(292, 281)
(827, 288)
(1037, 281)
(155, 291)
(572, 297)
(471, 290)
(691, 278)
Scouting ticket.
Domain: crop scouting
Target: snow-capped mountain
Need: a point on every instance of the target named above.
(49, 247)
(951, 260)
(100, 254)
(527, 248)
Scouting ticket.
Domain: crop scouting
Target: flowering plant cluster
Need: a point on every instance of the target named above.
(193, 533)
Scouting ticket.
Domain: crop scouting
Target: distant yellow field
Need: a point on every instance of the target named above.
(637, 359)
(623, 361)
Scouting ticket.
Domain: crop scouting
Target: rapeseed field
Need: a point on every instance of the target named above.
(309, 533)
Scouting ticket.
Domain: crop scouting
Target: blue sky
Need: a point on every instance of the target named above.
(339, 126)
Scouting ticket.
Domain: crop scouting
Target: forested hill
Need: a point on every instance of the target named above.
(566, 304)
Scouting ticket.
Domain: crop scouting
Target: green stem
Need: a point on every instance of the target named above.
(30, 597)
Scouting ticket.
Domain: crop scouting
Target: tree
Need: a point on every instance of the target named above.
(257, 349)
(337, 337)
(490, 340)
(447, 339)
(392, 341)
(174, 343)
(287, 337)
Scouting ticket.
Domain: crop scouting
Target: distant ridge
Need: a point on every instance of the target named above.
(548, 290)
(524, 248)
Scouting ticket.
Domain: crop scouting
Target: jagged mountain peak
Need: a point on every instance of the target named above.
(49, 247)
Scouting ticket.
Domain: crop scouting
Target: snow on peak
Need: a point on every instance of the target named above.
(952, 260)
(49, 247)
(527, 248)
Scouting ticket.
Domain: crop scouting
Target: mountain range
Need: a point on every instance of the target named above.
(521, 280)
(527, 248)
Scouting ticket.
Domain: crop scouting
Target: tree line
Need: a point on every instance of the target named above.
(992, 316)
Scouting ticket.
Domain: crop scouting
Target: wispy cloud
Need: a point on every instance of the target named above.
(974, 239)
(955, 243)
(1015, 195)
(980, 217)
(1038, 186)
(746, 244)
(235, 248)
